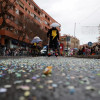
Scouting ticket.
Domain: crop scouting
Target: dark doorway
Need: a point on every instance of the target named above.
(7, 43)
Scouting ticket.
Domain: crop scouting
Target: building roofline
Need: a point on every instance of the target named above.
(50, 16)
(35, 5)
(70, 36)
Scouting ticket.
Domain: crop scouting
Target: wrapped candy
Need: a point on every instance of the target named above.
(48, 70)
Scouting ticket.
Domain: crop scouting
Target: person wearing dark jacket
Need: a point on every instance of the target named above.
(53, 38)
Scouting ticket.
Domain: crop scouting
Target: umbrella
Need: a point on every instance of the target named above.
(36, 37)
(75, 48)
(55, 25)
(36, 40)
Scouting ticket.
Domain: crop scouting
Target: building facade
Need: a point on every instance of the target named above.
(47, 21)
(9, 34)
(99, 39)
(69, 42)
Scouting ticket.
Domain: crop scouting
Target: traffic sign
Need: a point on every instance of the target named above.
(90, 44)
(68, 38)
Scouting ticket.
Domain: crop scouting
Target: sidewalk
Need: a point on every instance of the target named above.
(77, 56)
(87, 56)
(11, 57)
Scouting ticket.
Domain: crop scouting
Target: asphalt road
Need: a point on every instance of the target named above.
(71, 79)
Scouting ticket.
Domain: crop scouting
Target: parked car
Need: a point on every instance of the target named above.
(44, 51)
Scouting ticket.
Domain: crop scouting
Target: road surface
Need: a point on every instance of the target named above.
(71, 79)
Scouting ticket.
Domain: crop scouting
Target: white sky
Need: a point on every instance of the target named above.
(69, 12)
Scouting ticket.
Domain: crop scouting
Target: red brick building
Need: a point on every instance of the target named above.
(23, 8)
(47, 21)
(70, 41)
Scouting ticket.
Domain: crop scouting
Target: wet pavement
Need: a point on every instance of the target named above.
(71, 79)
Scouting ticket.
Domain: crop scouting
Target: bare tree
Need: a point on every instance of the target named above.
(28, 28)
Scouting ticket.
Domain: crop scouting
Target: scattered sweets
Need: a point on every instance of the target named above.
(29, 76)
(27, 93)
(54, 85)
(49, 81)
(3, 90)
(23, 87)
(27, 81)
(7, 86)
(48, 70)
(21, 98)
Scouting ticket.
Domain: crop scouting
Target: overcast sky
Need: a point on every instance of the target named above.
(85, 13)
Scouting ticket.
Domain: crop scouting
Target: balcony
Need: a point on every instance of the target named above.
(11, 23)
(12, 1)
(12, 35)
(12, 12)
(7, 33)
(21, 10)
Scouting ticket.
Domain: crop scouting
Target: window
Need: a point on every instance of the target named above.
(8, 16)
(49, 19)
(16, 21)
(21, 13)
(21, 4)
(17, 11)
(11, 28)
(43, 15)
(37, 18)
(45, 22)
(32, 6)
(39, 12)
(35, 9)
(17, 1)
(32, 14)
(16, 31)
(12, 18)
(12, 7)
(46, 28)
(7, 28)
(25, 9)
(28, 12)
(25, 0)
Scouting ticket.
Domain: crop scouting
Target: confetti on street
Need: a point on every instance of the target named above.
(70, 79)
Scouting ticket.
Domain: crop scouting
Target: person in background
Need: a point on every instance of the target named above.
(96, 49)
(4, 50)
(83, 50)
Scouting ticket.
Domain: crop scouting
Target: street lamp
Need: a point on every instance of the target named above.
(74, 33)
(67, 39)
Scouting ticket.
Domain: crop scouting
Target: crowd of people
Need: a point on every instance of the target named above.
(13, 51)
(86, 50)
(4, 51)
(83, 50)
